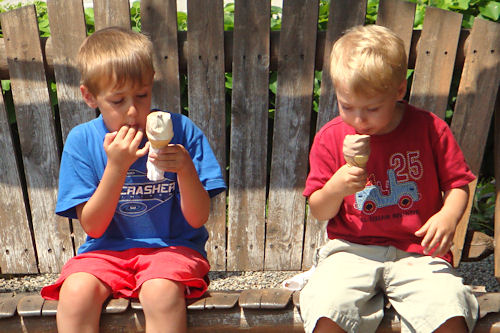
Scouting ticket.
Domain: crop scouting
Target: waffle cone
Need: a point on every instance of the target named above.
(357, 160)
(158, 144)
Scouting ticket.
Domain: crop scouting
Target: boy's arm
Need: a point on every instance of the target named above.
(325, 202)
(195, 201)
(440, 228)
(122, 150)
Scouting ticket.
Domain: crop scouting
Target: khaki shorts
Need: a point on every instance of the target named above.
(350, 281)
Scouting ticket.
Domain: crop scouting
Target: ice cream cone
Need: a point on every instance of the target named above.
(356, 150)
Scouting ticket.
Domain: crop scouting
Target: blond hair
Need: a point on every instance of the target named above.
(115, 56)
(368, 60)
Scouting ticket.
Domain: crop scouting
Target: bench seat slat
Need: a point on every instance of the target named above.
(8, 304)
(30, 306)
(116, 305)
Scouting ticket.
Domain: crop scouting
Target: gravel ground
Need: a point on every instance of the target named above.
(479, 273)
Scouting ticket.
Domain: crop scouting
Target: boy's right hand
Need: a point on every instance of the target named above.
(122, 147)
(349, 179)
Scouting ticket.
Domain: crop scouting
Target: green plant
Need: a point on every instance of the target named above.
(483, 209)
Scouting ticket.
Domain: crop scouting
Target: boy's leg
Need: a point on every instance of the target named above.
(80, 303)
(344, 289)
(453, 325)
(429, 295)
(164, 306)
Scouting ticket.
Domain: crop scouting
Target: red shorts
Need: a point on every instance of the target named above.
(125, 271)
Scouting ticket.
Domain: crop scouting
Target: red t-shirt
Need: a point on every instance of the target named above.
(408, 170)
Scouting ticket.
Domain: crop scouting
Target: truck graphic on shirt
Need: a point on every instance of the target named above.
(402, 194)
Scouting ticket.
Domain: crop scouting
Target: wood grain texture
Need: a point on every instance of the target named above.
(159, 22)
(290, 148)
(67, 22)
(109, 13)
(35, 121)
(17, 254)
(249, 122)
(398, 16)
(475, 106)
(207, 104)
(345, 14)
(435, 61)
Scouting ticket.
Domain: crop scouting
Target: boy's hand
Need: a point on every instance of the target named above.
(351, 179)
(172, 158)
(437, 234)
(122, 147)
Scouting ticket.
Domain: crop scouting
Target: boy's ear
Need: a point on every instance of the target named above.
(88, 97)
(402, 89)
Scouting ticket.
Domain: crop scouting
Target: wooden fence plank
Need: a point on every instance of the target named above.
(398, 16)
(345, 14)
(435, 60)
(285, 224)
(35, 121)
(159, 21)
(111, 13)
(17, 254)
(249, 122)
(207, 104)
(478, 85)
(67, 29)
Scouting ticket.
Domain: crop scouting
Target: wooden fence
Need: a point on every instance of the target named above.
(261, 222)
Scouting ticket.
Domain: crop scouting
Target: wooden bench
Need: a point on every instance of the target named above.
(262, 221)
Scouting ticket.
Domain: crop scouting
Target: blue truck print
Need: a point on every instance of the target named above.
(402, 194)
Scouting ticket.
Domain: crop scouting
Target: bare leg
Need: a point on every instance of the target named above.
(453, 325)
(80, 303)
(327, 325)
(164, 306)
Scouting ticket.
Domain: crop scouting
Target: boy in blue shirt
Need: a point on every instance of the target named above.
(145, 239)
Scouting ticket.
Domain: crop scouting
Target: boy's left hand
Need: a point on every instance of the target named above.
(173, 158)
(437, 234)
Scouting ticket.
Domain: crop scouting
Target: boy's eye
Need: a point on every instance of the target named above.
(143, 95)
(373, 109)
(116, 102)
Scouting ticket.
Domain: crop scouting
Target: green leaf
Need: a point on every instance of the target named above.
(491, 10)
(5, 85)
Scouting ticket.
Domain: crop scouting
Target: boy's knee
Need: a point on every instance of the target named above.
(83, 290)
(162, 295)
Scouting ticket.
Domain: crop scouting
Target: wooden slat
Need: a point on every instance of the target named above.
(116, 305)
(111, 13)
(285, 224)
(17, 254)
(344, 14)
(475, 104)
(8, 304)
(249, 118)
(250, 299)
(435, 61)
(159, 21)
(207, 104)
(275, 298)
(221, 300)
(30, 306)
(67, 29)
(49, 308)
(398, 16)
(35, 121)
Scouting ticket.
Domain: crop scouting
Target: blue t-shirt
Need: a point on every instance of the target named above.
(148, 214)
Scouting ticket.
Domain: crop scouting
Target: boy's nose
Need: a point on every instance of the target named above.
(132, 115)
